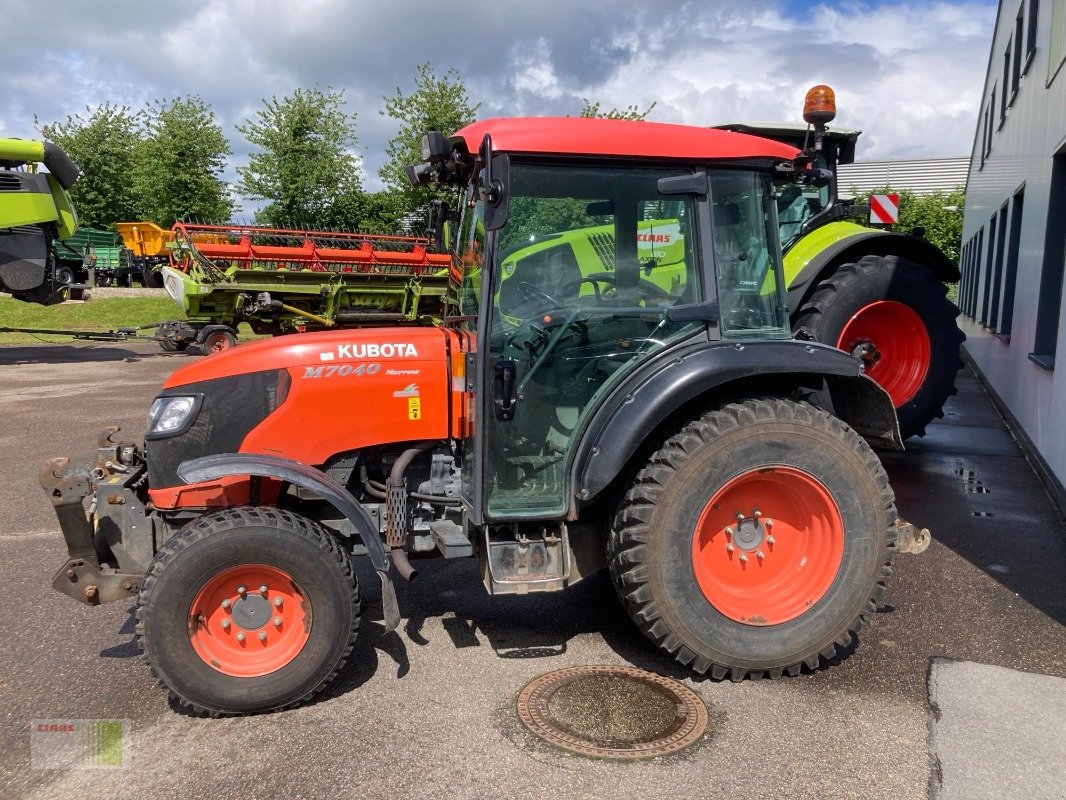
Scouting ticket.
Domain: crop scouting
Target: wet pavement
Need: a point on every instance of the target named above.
(429, 709)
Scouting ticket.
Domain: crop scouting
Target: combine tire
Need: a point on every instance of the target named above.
(895, 316)
(246, 610)
(756, 540)
(64, 276)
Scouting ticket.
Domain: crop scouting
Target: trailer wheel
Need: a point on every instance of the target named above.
(174, 345)
(895, 316)
(756, 540)
(218, 340)
(248, 609)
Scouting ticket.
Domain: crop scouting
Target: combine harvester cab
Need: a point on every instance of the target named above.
(288, 281)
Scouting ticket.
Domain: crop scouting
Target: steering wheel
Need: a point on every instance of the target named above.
(535, 295)
(647, 289)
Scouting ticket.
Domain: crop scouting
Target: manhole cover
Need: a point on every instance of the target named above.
(612, 712)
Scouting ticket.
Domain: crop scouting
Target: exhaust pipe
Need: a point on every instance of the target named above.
(396, 510)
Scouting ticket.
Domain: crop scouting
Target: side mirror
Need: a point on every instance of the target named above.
(494, 181)
(435, 147)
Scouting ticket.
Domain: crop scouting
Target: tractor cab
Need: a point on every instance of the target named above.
(580, 271)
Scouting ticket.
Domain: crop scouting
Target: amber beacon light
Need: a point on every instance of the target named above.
(820, 105)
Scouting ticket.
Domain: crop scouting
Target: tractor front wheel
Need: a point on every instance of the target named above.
(756, 540)
(248, 609)
(895, 316)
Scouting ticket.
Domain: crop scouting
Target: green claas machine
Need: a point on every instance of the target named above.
(35, 212)
(291, 281)
(880, 295)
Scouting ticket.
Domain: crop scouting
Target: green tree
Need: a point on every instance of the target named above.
(103, 143)
(366, 212)
(590, 109)
(940, 214)
(304, 159)
(438, 103)
(180, 163)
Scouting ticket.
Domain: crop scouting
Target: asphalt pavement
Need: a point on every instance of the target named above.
(428, 711)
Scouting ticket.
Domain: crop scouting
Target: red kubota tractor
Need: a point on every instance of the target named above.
(602, 423)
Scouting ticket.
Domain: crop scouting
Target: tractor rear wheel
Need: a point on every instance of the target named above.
(895, 316)
(756, 540)
(248, 609)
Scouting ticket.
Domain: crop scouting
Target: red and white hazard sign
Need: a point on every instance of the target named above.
(884, 208)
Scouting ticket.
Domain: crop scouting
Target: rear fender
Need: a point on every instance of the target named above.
(811, 260)
(712, 374)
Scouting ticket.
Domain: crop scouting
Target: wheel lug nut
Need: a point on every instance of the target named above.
(277, 601)
(738, 516)
(277, 622)
(771, 540)
(225, 624)
(242, 590)
(240, 637)
(759, 554)
(769, 523)
(729, 548)
(226, 603)
(263, 589)
(262, 636)
(743, 558)
(756, 513)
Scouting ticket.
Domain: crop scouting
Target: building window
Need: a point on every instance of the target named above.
(1010, 275)
(990, 252)
(1057, 39)
(976, 272)
(1016, 63)
(1049, 300)
(997, 271)
(1030, 37)
(964, 275)
(1006, 85)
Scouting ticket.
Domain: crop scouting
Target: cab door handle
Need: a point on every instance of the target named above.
(505, 389)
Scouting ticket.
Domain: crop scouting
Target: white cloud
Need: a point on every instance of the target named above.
(908, 74)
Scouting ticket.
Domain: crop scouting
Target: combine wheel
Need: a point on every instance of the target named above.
(895, 316)
(248, 609)
(756, 540)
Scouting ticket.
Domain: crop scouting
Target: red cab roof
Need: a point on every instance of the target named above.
(618, 137)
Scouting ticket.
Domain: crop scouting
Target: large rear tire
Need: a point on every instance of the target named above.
(895, 316)
(756, 540)
(246, 610)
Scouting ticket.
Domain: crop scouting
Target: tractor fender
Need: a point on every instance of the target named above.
(868, 242)
(209, 468)
(710, 374)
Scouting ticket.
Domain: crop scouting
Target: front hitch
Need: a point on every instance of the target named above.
(67, 483)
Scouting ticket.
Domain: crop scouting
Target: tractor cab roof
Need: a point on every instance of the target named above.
(793, 133)
(581, 136)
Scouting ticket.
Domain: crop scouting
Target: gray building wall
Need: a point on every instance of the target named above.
(1015, 219)
(919, 175)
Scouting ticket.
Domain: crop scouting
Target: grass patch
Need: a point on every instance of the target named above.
(103, 314)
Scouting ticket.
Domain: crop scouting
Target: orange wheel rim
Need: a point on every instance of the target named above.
(249, 620)
(768, 545)
(217, 342)
(893, 342)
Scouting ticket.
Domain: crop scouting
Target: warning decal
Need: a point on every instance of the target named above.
(414, 408)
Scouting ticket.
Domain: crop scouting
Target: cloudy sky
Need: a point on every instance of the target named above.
(908, 73)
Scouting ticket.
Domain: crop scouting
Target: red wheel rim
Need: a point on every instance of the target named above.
(251, 632)
(768, 545)
(894, 343)
(217, 342)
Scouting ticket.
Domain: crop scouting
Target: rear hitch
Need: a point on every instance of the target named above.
(911, 538)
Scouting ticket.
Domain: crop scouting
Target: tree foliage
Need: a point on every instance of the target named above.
(103, 143)
(180, 162)
(633, 112)
(940, 214)
(437, 103)
(366, 212)
(304, 161)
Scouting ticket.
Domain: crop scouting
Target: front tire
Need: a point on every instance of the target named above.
(756, 540)
(894, 315)
(246, 610)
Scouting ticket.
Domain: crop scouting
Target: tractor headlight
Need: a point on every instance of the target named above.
(170, 416)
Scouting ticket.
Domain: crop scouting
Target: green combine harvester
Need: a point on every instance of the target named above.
(35, 213)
